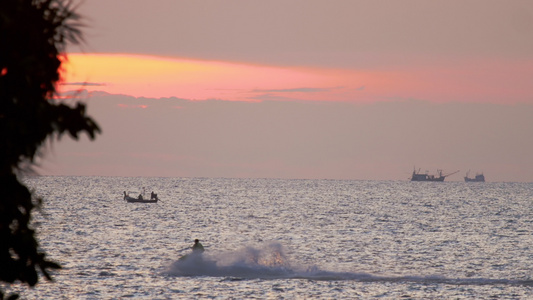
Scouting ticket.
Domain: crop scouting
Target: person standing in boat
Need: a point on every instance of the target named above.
(197, 247)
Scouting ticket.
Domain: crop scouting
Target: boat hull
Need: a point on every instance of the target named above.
(474, 180)
(134, 200)
(428, 179)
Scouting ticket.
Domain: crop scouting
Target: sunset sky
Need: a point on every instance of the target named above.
(303, 89)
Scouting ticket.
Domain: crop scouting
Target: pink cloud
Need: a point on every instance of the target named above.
(123, 105)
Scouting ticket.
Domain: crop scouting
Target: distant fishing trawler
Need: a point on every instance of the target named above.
(479, 178)
(417, 176)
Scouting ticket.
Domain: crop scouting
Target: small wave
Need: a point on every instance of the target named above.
(106, 274)
(365, 277)
(270, 262)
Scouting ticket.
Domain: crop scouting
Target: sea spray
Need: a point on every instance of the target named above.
(268, 261)
(265, 261)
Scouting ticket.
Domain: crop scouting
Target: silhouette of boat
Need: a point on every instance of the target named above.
(140, 199)
(479, 177)
(417, 176)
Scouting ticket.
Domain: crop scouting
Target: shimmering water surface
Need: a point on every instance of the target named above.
(268, 238)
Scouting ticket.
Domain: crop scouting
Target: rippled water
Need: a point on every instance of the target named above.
(268, 238)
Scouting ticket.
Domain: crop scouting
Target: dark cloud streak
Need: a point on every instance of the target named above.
(84, 83)
(294, 90)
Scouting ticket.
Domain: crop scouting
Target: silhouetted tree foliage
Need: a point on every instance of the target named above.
(33, 37)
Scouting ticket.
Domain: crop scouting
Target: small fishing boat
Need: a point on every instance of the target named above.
(140, 199)
(417, 176)
(479, 177)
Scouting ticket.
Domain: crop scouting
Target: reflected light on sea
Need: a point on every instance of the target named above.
(273, 238)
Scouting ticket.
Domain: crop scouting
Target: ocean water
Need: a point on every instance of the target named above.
(284, 239)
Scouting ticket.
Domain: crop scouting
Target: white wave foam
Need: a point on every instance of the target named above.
(269, 262)
(265, 262)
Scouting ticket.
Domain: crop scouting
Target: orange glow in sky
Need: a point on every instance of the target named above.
(157, 77)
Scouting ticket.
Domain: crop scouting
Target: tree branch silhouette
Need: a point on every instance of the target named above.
(33, 38)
